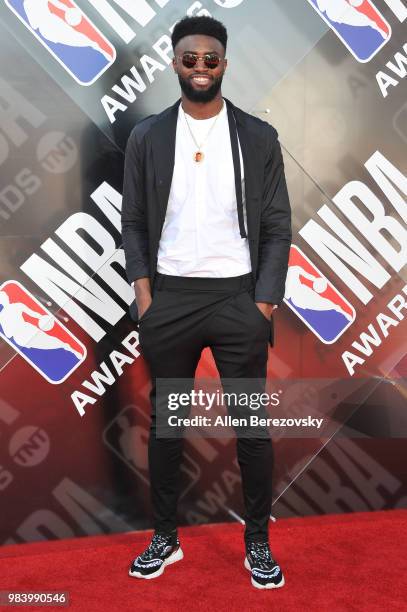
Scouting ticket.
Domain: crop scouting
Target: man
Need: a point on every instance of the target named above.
(206, 232)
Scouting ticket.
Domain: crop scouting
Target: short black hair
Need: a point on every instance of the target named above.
(201, 24)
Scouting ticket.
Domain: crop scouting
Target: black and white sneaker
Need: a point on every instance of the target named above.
(266, 573)
(163, 550)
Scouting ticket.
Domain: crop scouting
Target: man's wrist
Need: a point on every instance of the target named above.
(273, 306)
(142, 289)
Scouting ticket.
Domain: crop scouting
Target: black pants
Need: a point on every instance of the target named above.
(186, 315)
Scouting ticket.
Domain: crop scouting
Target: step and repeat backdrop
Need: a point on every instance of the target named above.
(75, 76)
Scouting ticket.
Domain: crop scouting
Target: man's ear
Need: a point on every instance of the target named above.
(174, 64)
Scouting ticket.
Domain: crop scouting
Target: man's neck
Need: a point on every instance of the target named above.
(202, 110)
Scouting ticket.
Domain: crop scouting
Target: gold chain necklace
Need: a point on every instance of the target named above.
(199, 155)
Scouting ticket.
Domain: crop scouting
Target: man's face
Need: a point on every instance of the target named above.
(200, 83)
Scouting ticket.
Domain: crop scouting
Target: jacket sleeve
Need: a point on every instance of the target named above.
(275, 227)
(134, 218)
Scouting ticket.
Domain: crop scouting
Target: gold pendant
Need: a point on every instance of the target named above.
(198, 156)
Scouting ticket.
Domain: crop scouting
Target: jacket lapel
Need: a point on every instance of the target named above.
(163, 135)
(251, 153)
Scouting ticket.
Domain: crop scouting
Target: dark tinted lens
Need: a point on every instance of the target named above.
(189, 60)
(212, 60)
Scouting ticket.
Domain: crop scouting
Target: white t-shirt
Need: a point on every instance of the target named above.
(201, 236)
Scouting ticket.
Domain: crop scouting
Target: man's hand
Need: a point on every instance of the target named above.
(266, 309)
(142, 292)
(142, 305)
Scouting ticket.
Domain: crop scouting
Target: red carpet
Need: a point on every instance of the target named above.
(336, 562)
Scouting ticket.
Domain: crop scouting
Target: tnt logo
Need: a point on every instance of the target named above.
(29, 446)
(358, 23)
(36, 335)
(63, 28)
(315, 300)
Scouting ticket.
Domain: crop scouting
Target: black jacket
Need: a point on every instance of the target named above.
(149, 165)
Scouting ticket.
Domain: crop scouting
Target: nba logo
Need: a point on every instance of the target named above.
(68, 34)
(37, 335)
(358, 23)
(315, 300)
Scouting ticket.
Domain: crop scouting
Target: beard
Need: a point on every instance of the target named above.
(200, 95)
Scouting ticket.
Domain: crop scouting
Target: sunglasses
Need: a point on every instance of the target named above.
(189, 60)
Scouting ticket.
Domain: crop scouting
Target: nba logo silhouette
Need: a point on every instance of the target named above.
(358, 23)
(67, 33)
(37, 335)
(315, 300)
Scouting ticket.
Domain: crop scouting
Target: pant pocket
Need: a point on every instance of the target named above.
(150, 308)
(268, 322)
(254, 305)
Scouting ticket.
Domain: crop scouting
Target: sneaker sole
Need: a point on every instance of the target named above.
(270, 585)
(178, 555)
